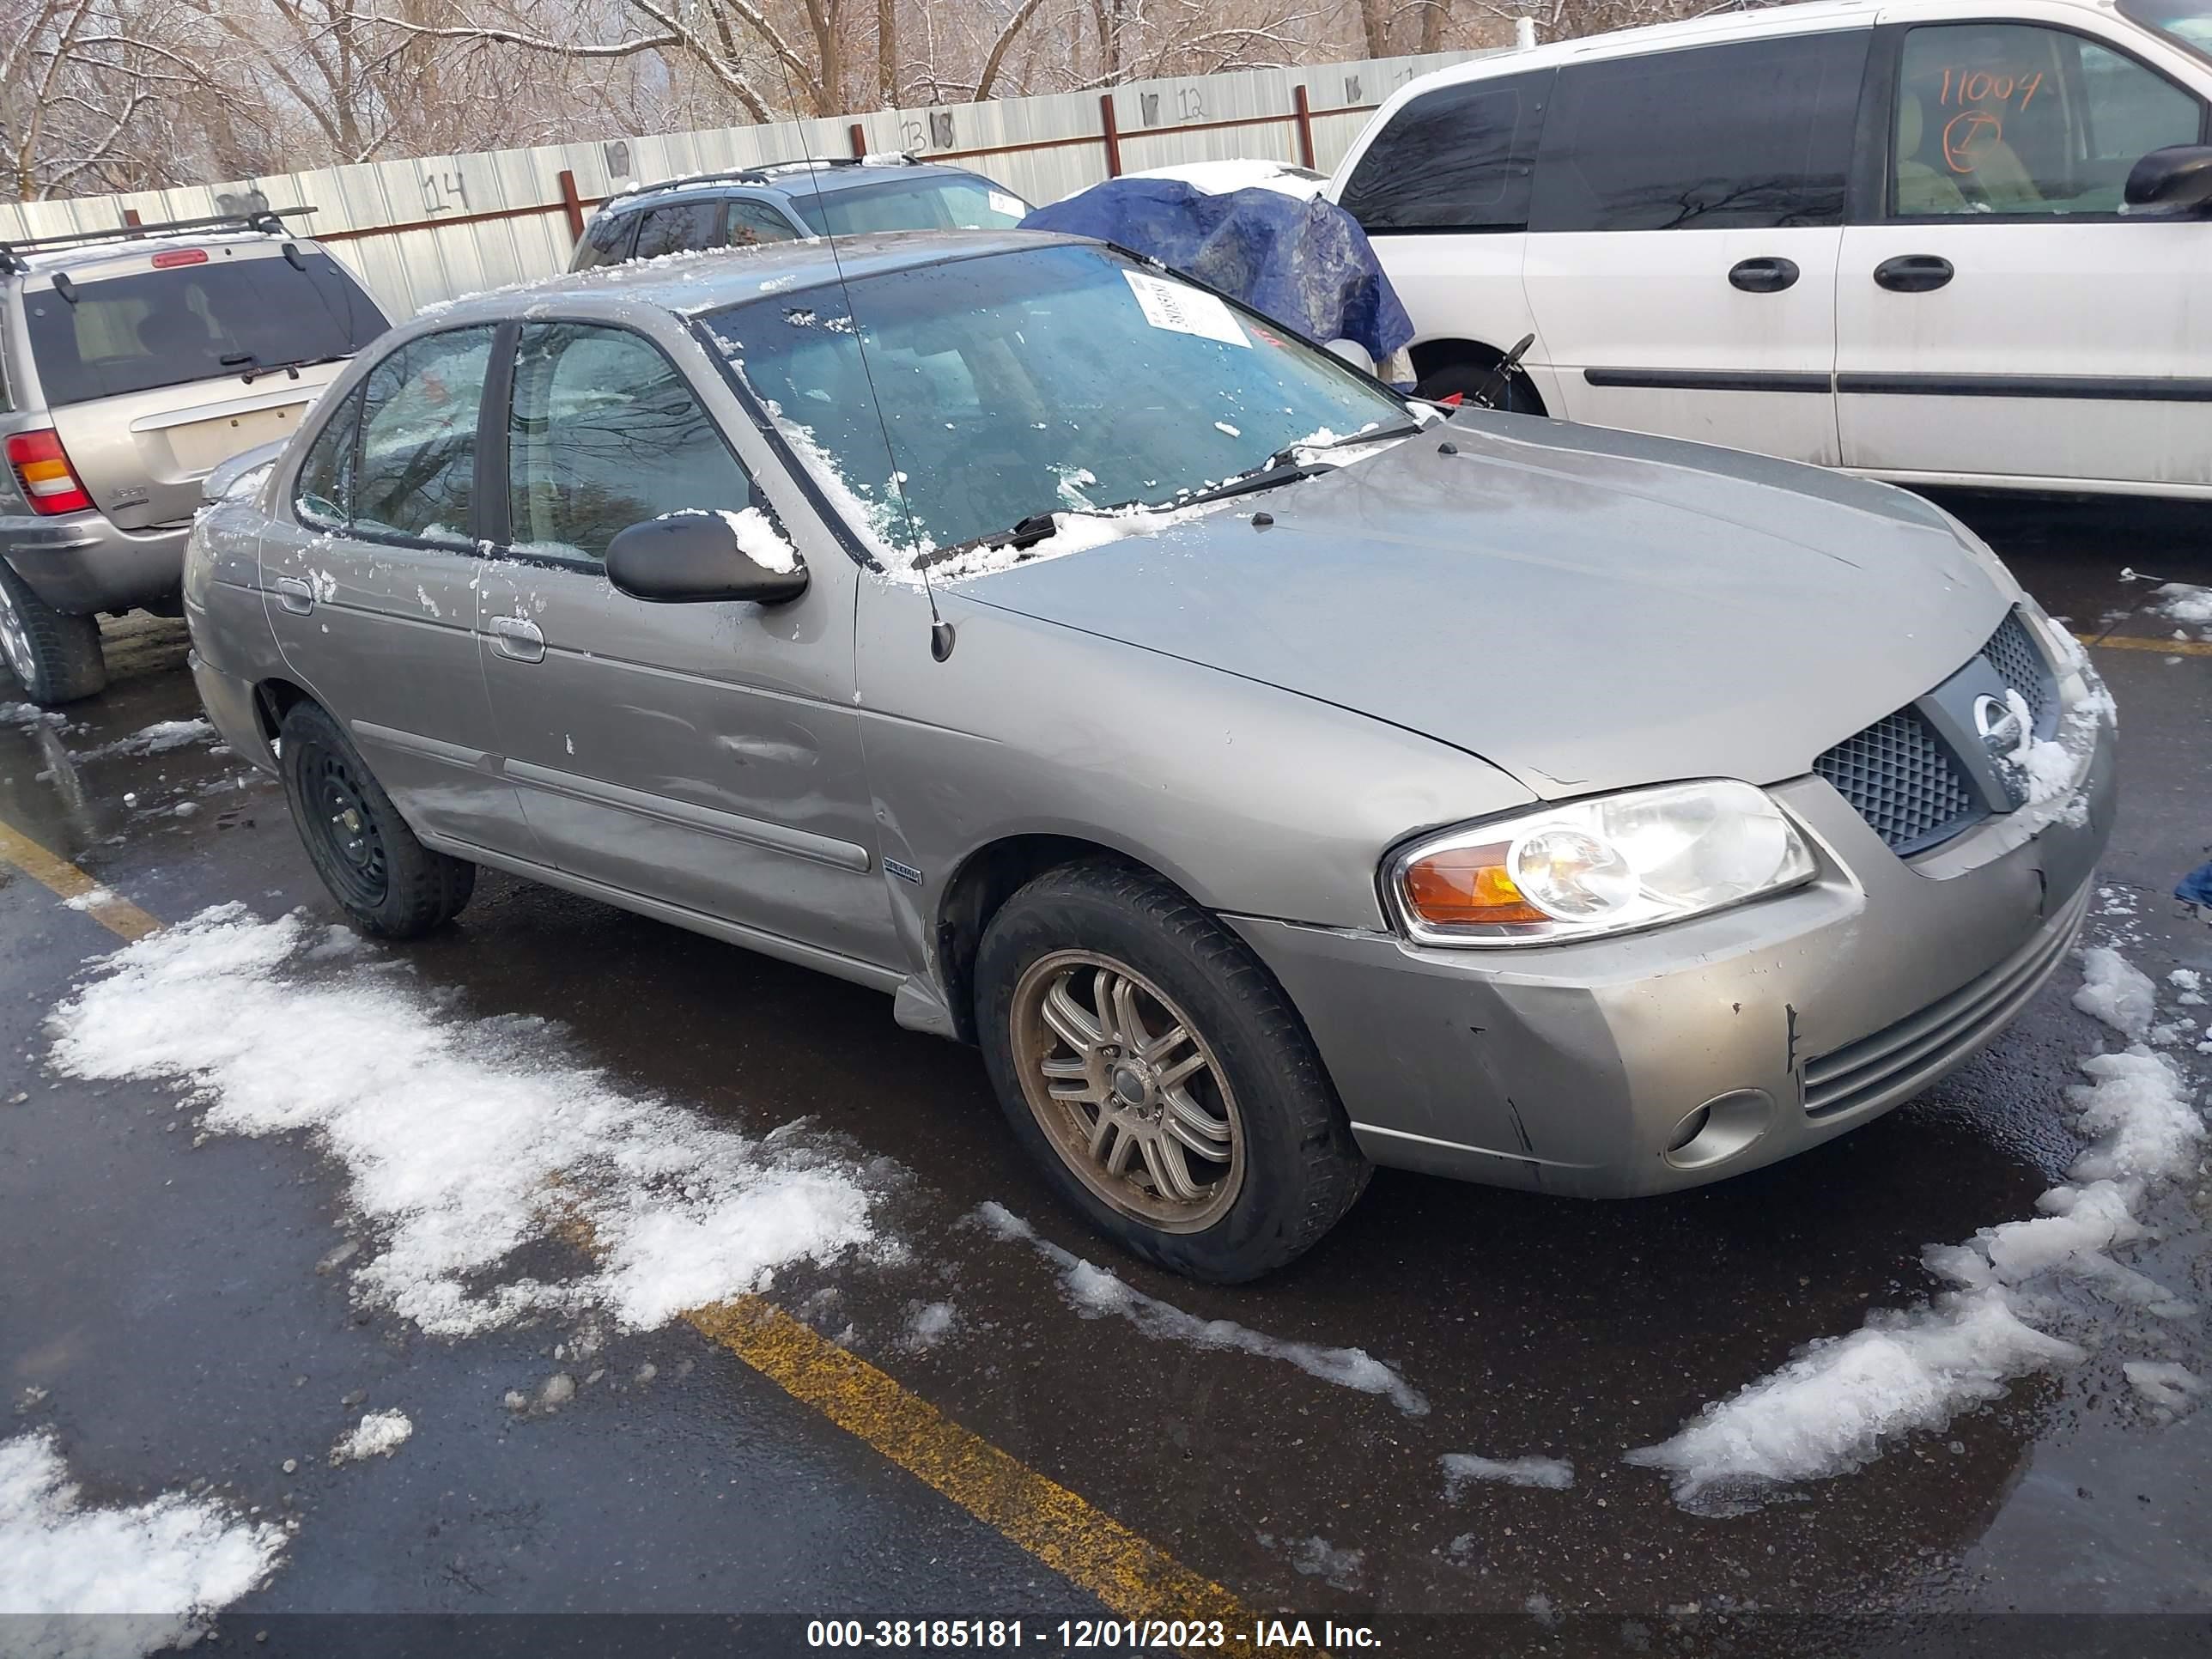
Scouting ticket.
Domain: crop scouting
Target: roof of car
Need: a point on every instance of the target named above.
(1800, 18)
(800, 178)
(688, 283)
(79, 255)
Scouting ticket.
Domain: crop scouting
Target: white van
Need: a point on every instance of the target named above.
(1938, 241)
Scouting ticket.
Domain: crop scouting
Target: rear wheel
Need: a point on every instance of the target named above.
(1159, 1076)
(56, 656)
(390, 883)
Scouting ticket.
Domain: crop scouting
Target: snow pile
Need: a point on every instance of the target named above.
(758, 538)
(379, 1434)
(1094, 1293)
(157, 1569)
(1072, 532)
(2184, 602)
(158, 738)
(2170, 1388)
(1832, 1407)
(1463, 1469)
(92, 898)
(28, 714)
(1222, 177)
(931, 1324)
(462, 1138)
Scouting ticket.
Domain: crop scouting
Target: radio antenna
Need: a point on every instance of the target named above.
(940, 631)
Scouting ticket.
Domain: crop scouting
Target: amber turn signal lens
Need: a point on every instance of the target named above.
(1460, 884)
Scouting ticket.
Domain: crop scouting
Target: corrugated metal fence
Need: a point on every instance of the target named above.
(424, 230)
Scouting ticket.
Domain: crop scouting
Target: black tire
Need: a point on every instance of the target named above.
(55, 655)
(1473, 379)
(1300, 1169)
(390, 883)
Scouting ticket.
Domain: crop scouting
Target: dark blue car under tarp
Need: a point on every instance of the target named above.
(1306, 263)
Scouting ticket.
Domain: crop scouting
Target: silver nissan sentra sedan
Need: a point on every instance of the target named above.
(1273, 777)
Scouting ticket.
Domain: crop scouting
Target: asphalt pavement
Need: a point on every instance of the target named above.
(169, 1308)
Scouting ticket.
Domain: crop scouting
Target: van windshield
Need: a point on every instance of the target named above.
(196, 322)
(2187, 23)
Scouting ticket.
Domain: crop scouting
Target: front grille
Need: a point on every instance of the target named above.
(1914, 1052)
(1899, 779)
(2012, 652)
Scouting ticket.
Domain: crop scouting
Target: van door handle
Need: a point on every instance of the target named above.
(1763, 276)
(519, 638)
(1913, 273)
(294, 595)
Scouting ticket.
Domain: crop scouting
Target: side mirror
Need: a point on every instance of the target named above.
(2178, 178)
(702, 558)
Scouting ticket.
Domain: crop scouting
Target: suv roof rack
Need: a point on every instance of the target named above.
(270, 222)
(762, 174)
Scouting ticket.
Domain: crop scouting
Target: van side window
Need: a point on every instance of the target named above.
(1754, 135)
(1458, 158)
(2011, 118)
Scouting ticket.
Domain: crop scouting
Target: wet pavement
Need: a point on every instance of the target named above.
(167, 1295)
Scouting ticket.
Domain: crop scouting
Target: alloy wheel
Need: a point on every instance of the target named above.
(1128, 1090)
(15, 640)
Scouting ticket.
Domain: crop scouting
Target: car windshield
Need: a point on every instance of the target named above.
(196, 322)
(1016, 384)
(2187, 22)
(934, 203)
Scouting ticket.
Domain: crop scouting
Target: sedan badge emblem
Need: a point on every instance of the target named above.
(1999, 724)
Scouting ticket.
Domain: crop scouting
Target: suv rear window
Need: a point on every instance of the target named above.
(202, 322)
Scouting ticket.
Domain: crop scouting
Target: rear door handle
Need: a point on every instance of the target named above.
(1913, 273)
(294, 595)
(1763, 276)
(519, 638)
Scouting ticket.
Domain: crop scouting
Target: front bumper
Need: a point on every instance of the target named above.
(1570, 1069)
(82, 563)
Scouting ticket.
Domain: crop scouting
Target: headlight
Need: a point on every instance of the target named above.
(1602, 866)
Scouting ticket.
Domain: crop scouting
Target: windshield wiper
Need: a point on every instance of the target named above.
(255, 368)
(1275, 472)
(1380, 435)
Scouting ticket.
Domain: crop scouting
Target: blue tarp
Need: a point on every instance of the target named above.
(1306, 264)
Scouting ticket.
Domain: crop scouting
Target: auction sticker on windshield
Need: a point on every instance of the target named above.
(1185, 310)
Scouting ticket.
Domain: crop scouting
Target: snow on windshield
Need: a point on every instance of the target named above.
(981, 394)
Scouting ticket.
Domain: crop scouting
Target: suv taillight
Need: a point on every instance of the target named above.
(42, 468)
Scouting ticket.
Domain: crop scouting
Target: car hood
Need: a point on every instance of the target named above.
(1587, 608)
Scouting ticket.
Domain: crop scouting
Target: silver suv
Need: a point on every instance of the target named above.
(135, 360)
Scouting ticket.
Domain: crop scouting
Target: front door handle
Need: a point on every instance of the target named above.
(1913, 273)
(1763, 276)
(518, 637)
(294, 595)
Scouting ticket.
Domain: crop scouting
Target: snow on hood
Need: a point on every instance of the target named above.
(1588, 609)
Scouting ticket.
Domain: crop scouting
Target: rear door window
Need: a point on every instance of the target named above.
(751, 223)
(204, 321)
(604, 433)
(607, 241)
(417, 475)
(679, 228)
(1755, 135)
(1458, 158)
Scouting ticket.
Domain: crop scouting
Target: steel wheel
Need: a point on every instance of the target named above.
(15, 640)
(1128, 1090)
(340, 816)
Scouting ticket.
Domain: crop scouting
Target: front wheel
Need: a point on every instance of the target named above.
(391, 884)
(1159, 1076)
(55, 655)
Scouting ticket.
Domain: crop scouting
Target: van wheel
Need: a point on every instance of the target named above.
(391, 884)
(56, 656)
(1472, 379)
(1158, 1075)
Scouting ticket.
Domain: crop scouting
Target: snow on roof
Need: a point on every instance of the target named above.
(1221, 178)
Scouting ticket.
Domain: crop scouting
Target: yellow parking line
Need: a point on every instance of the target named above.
(1132, 1577)
(64, 881)
(2164, 648)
